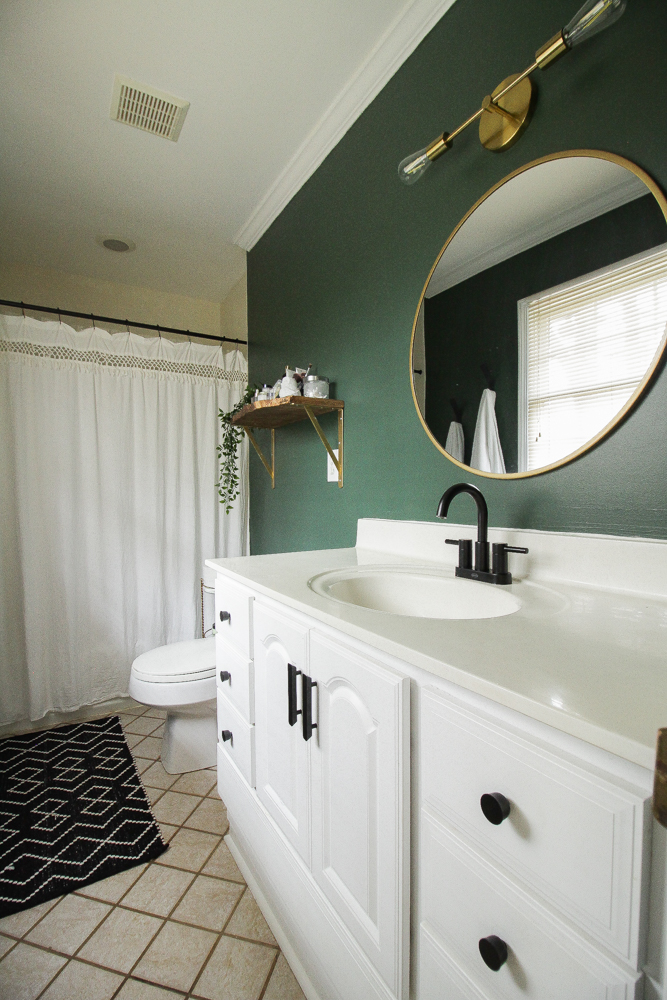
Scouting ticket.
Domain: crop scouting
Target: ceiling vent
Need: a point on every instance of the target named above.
(146, 108)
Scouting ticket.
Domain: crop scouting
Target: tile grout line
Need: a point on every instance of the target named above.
(194, 874)
(164, 920)
(164, 924)
(68, 958)
(208, 957)
(268, 978)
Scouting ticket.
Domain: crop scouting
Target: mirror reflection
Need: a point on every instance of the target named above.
(544, 316)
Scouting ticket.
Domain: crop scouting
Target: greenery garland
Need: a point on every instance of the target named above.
(228, 485)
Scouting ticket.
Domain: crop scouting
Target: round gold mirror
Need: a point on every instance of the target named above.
(544, 316)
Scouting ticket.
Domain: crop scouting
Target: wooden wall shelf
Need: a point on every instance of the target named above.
(272, 413)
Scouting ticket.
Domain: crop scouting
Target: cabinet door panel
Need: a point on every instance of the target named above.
(360, 775)
(464, 899)
(439, 977)
(283, 756)
(572, 833)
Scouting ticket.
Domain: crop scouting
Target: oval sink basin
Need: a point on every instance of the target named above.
(415, 593)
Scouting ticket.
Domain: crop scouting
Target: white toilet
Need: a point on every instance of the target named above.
(181, 678)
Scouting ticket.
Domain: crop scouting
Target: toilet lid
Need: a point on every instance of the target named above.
(179, 661)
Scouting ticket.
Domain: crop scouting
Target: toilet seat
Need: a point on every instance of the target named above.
(181, 673)
(193, 659)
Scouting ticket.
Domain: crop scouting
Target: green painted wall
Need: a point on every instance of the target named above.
(475, 322)
(337, 278)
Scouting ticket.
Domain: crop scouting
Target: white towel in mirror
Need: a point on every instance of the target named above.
(487, 454)
(454, 445)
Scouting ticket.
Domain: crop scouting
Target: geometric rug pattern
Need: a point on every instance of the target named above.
(73, 811)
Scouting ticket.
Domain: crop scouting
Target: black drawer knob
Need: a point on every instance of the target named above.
(226, 735)
(495, 807)
(494, 952)
(225, 616)
(225, 676)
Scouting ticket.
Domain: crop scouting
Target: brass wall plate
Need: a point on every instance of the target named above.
(660, 779)
(496, 131)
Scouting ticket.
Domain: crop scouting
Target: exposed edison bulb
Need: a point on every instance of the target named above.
(412, 167)
(594, 16)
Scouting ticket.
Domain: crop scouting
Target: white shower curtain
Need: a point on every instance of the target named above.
(108, 504)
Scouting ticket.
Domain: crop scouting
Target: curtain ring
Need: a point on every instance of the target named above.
(189, 337)
(93, 319)
(22, 309)
(60, 322)
(159, 332)
(127, 324)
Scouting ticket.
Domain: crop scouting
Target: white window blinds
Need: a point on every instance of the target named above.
(584, 349)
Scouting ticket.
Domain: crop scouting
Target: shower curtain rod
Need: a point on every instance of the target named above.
(117, 322)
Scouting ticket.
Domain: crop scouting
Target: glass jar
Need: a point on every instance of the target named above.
(316, 386)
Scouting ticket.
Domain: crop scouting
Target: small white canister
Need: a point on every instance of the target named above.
(316, 386)
(289, 385)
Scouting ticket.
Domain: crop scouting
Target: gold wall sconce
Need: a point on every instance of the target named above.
(505, 113)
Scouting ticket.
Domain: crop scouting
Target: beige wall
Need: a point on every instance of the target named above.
(234, 313)
(48, 287)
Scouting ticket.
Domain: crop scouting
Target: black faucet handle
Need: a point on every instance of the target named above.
(465, 551)
(499, 566)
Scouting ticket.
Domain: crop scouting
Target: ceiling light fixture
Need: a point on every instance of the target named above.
(501, 125)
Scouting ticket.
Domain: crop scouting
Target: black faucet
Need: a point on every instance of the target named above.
(499, 569)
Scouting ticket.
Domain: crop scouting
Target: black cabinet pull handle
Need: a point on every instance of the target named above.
(226, 735)
(225, 676)
(494, 952)
(495, 807)
(292, 712)
(225, 617)
(307, 685)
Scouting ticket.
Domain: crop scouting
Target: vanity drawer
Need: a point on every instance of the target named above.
(439, 977)
(234, 602)
(574, 834)
(239, 688)
(240, 747)
(464, 899)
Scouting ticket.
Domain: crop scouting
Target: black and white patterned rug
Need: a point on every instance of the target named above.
(72, 811)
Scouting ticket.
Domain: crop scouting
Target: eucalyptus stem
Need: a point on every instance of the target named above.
(228, 484)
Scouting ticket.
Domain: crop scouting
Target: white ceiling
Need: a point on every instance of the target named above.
(272, 88)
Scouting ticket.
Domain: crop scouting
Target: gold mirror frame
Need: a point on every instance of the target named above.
(662, 202)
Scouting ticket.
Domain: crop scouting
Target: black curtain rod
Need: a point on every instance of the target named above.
(117, 322)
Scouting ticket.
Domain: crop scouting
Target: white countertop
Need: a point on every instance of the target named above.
(587, 661)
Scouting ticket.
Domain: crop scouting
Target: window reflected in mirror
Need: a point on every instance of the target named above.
(544, 316)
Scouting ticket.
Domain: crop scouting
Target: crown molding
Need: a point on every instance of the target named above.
(398, 42)
(444, 278)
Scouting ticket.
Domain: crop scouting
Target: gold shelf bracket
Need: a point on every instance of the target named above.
(338, 462)
(283, 412)
(271, 469)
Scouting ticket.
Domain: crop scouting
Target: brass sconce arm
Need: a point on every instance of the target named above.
(549, 52)
(501, 125)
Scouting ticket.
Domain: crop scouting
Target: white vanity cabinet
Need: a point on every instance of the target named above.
(325, 830)
(375, 820)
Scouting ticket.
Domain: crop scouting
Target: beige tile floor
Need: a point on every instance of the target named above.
(185, 925)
